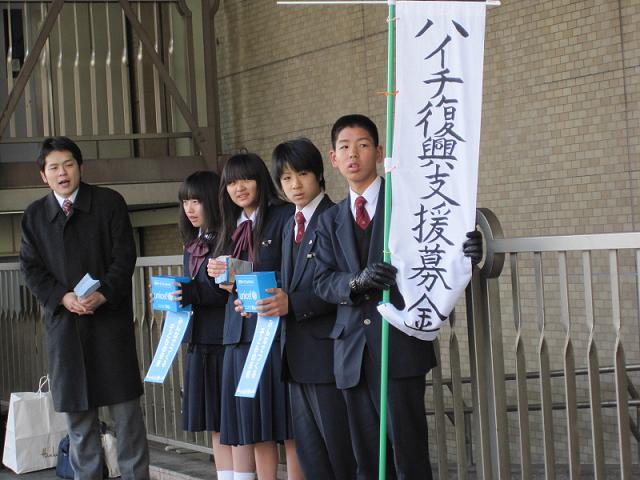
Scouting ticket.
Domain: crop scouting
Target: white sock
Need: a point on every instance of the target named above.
(224, 474)
(244, 476)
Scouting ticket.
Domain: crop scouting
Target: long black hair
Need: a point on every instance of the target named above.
(244, 166)
(202, 186)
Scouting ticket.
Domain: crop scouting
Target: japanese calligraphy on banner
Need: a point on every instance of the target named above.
(434, 169)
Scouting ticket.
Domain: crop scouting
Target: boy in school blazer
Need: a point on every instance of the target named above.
(318, 409)
(350, 272)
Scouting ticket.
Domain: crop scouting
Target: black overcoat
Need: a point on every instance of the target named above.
(92, 358)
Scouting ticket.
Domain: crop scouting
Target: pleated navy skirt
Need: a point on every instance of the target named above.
(201, 403)
(260, 419)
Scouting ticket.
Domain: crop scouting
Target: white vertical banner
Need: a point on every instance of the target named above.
(434, 169)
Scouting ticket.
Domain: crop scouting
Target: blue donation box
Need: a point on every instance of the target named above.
(253, 287)
(161, 288)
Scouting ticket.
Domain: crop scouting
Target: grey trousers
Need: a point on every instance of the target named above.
(85, 451)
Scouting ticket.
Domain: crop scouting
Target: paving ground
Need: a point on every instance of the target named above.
(166, 465)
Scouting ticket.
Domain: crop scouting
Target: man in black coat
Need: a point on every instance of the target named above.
(74, 230)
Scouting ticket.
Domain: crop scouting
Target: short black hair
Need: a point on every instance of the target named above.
(299, 154)
(354, 120)
(58, 144)
(202, 186)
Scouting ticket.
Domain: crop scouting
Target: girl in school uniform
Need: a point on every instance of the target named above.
(198, 222)
(253, 218)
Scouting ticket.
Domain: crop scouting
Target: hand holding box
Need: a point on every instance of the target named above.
(253, 287)
(162, 288)
(235, 267)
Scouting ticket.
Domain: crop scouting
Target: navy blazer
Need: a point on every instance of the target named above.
(307, 344)
(207, 301)
(358, 323)
(239, 329)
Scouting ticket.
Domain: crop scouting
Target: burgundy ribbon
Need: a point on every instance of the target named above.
(243, 240)
(198, 249)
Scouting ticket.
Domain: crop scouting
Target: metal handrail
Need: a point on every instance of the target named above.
(487, 418)
(567, 243)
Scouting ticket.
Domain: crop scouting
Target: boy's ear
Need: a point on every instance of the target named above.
(379, 154)
(43, 176)
(332, 157)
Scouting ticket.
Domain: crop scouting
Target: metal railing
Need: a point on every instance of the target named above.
(23, 354)
(537, 375)
(553, 331)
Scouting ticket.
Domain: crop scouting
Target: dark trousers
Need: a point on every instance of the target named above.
(85, 452)
(321, 431)
(407, 443)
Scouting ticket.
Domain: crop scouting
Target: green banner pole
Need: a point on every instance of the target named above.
(384, 362)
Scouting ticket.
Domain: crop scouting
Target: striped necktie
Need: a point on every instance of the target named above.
(362, 217)
(66, 206)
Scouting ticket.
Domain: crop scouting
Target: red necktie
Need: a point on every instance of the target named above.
(66, 206)
(242, 239)
(300, 224)
(362, 217)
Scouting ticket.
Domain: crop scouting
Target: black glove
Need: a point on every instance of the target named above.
(377, 276)
(472, 248)
(187, 294)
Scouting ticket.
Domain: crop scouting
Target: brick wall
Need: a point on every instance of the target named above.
(559, 151)
(161, 240)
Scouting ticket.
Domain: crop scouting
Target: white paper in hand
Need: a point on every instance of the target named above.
(86, 286)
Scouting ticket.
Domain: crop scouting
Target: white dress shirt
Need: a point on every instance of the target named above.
(71, 197)
(370, 195)
(308, 212)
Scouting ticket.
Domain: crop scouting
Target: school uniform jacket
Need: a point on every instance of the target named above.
(207, 302)
(358, 323)
(239, 329)
(306, 332)
(92, 358)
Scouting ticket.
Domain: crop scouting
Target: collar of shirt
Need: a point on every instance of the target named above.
(72, 197)
(308, 211)
(370, 195)
(243, 218)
